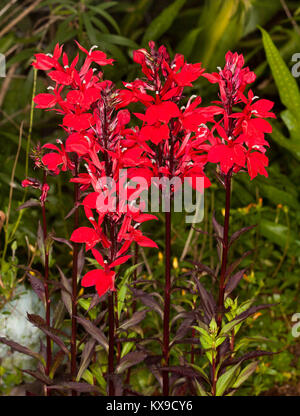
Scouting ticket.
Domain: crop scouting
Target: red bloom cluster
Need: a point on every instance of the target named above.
(97, 136)
(173, 141)
(172, 136)
(240, 142)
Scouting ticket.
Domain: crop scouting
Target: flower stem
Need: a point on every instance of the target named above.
(46, 289)
(111, 324)
(74, 283)
(166, 319)
(225, 244)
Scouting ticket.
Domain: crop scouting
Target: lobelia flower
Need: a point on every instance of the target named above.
(169, 134)
(96, 132)
(240, 142)
(36, 184)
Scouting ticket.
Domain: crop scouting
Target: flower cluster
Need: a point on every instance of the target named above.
(240, 141)
(173, 136)
(174, 140)
(96, 137)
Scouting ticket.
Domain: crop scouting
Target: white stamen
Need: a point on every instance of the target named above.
(219, 68)
(88, 139)
(50, 88)
(254, 111)
(66, 66)
(229, 138)
(91, 218)
(93, 47)
(49, 54)
(255, 97)
(255, 146)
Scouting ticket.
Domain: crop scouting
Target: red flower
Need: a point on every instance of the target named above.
(256, 163)
(53, 161)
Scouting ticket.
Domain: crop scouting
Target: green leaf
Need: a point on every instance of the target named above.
(187, 44)
(162, 22)
(122, 288)
(117, 40)
(286, 83)
(200, 390)
(224, 382)
(290, 145)
(244, 374)
(276, 233)
(107, 16)
(91, 32)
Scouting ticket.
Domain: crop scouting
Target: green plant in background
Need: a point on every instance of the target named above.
(201, 30)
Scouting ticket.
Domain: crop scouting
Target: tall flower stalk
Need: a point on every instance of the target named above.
(74, 279)
(172, 142)
(44, 188)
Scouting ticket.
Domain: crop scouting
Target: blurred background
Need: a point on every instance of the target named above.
(268, 34)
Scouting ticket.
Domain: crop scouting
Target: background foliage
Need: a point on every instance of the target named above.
(202, 31)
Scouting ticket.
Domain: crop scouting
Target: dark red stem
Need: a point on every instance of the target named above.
(46, 289)
(225, 245)
(74, 282)
(166, 320)
(111, 329)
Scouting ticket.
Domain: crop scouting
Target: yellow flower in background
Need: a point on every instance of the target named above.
(256, 315)
(175, 263)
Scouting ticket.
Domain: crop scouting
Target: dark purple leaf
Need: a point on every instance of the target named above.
(29, 204)
(95, 300)
(40, 241)
(130, 359)
(95, 332)
(62, 240)
(147, 300)
(219, 229)
(183, 328)
(233, 282)
(20, 348)
(72, 385)
(86, 356)
(235, 264)
(56, 362)
(39, 376)
(203, 268)
(238, 233)
(72, 210)
(136, 318)
(118, 384)
(53, 333)
(207, 301)
(251, 311)
(80, 261)
(37, 285)
(183, 371)
(66, 292)
(247, 356)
